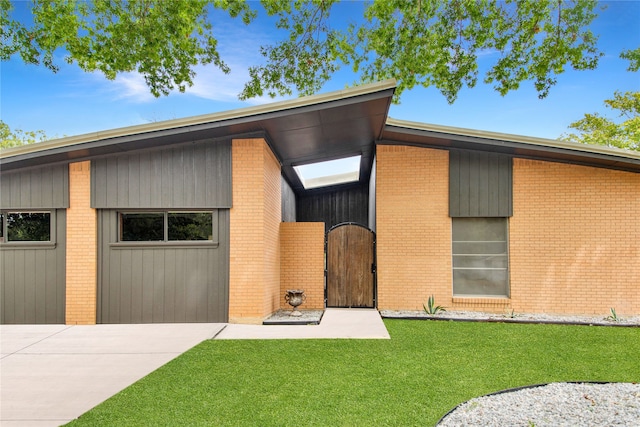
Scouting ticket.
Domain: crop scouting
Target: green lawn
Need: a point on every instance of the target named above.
(413, 379)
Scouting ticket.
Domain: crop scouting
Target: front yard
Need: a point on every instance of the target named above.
(426, 368)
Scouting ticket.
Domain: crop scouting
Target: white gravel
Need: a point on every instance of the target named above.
(556, 404)
(507, 316)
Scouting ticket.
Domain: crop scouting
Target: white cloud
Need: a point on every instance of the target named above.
(131, 86)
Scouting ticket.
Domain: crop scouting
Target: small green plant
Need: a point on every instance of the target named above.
(613, 316)
(431, 307)
(510, 313)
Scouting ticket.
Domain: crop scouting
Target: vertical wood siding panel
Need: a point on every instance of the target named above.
(158, 285)
(454, 183)
(111, 183)
(145, 175)
(122, 179)
(484, 183)
(169, 308)
(156, 181)
(480, 184)
(126, 286)
(474, 185)
(191, 176)
(134, 180)
(36, 195)
(147, 286)
(5, 190)
(178, 182)
(464, 184)
(98, 182)
(15, 191)
(494, 186)
(8, 286)
(136, 287)
(288, 202)
(179, 280)
(60, 268)
(33, 281)
(40, 285)
(36, 188)
(200, 168)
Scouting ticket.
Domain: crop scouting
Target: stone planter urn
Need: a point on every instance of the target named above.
(295, 297)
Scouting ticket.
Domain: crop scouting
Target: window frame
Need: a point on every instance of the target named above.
(31, 244)
(210, 243)
(507, 255)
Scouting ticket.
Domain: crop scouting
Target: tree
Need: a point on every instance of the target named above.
(595, 129)
(18, 137)
(419, 42)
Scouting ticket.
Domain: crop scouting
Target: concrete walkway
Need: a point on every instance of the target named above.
(52, 374)
(336, 323)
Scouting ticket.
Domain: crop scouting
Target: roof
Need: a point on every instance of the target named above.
(316, 128)
(400, 132)
(303, 130)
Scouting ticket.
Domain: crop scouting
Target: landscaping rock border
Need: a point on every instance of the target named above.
(554, 404)
(472, 316)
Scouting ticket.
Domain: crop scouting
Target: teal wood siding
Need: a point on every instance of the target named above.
(36, 188)
(162, 283)
(189, 176)
(32, 279)
(480, 184)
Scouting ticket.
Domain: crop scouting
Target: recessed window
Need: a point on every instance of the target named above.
(189, 226)
(332, 172)
(142, 227)
(480, 257)
(25, 227)
(167, 226)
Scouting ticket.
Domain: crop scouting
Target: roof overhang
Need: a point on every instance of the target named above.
(300, 131)
(399, 132)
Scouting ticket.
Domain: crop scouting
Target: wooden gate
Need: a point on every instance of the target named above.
(350, 266)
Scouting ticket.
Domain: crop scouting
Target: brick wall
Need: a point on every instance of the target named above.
(254, 271)
(574, 239)
(413, 227)
(302, 262)
(81, 264)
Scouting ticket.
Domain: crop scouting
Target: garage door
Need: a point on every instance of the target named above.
(163, 276)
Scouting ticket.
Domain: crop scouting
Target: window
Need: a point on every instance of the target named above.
(167, 226)
(25, 227)
(480, 257)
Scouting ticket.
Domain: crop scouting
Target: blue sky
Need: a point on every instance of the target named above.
(73, 102)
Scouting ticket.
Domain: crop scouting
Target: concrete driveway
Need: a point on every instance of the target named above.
(51, 374)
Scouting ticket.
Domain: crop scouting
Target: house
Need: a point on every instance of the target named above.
(211, 218)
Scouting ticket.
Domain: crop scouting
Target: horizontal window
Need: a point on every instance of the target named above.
(480, 257)
(168, 226)
(26, 227)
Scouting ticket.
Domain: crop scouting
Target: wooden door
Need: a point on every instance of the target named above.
(350, 266)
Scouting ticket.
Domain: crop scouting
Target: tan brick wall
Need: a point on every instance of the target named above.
(413, 227)
(81, 264)
(574, 239)
(302, 262)
(254, 271)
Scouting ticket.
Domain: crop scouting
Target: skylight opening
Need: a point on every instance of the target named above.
(332, 172)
